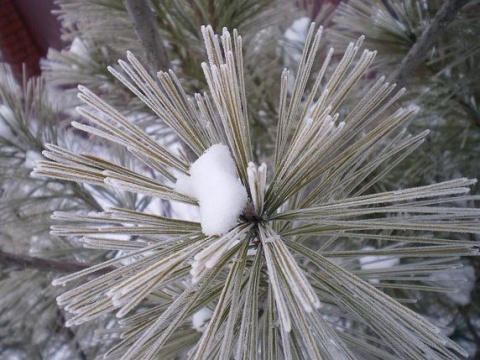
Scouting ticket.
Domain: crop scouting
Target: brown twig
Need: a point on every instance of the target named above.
(146, 27)
(147, 31)
(32, 262)
(431, 34)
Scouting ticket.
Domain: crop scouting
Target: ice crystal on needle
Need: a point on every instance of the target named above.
(272, 246)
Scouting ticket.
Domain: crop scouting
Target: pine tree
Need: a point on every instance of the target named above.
(223, 208)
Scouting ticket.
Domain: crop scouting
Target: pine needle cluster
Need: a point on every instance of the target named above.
(284, 282)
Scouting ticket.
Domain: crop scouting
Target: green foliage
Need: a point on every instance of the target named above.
(446, 84)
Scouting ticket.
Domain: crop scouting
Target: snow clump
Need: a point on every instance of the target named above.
(201, 319)
(214, 183)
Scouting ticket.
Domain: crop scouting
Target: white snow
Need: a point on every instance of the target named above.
(298, 30)
(373, 262)
(184, 185)
(214, 183)
(377, 262)
(31, 158)
(79, 48)
(201, 318)
(252, 252)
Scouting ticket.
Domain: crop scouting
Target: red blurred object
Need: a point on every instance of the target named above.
(27, 30)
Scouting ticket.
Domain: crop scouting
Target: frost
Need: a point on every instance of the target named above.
(201, 318)
(214, 183)
(208, 257)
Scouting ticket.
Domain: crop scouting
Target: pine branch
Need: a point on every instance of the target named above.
(445, 15)
(148, 33)
(25, 261)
